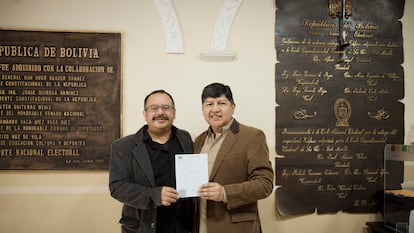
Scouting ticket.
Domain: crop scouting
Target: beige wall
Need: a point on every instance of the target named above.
(66, 202)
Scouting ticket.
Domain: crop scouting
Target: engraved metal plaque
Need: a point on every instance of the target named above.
(339, 83)
(59, 99)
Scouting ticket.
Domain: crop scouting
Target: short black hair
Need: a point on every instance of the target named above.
(157, 92)
(216, 90)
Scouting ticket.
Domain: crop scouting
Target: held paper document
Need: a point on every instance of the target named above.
(191, 171)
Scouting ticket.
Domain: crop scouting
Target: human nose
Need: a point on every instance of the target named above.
(216, 108)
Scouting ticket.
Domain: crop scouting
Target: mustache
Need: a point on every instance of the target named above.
(160, 117)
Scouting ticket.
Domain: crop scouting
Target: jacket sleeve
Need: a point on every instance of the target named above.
(128, 182)
(259, 173)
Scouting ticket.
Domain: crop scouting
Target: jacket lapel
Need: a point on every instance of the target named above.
(142, 158)
(226, 147)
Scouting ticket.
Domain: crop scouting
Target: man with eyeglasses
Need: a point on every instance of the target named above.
(240, 172)
(142, 172)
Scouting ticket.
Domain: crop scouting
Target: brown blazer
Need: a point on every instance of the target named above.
(242, 166)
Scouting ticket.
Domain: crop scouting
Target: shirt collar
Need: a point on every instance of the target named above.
(223, 129)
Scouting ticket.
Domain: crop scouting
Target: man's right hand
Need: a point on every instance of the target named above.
(168, 196)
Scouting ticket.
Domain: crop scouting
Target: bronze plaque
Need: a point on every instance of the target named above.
(60, 96)
(338, 86)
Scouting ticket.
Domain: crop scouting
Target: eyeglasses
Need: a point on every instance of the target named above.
(164, 108)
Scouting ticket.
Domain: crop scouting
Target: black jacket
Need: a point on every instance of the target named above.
(131, 181)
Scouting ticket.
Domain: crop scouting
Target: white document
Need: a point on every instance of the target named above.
(191, 171)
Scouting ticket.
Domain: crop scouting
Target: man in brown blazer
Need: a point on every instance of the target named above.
(240, 172)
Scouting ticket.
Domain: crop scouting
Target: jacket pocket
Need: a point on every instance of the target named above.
(243, 216)
(129, 222)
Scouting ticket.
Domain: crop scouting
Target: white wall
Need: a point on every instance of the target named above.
(46, 201)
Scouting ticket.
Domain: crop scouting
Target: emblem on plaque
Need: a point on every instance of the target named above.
(341, 9)
(342, 111)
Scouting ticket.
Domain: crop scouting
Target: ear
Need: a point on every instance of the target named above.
(174, 113)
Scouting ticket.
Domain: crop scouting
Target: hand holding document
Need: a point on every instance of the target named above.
(191, 171)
